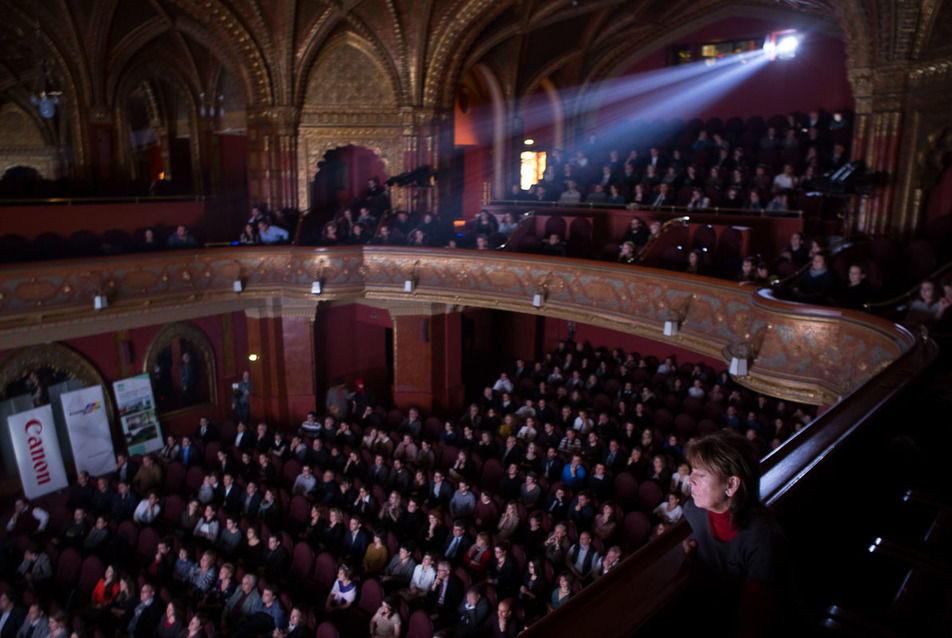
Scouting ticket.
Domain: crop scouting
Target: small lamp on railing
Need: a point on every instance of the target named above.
(411, 281)
(744, 353)
(237, 286)
(539, 298)
(316, 285)
(100, 302)
(677, 313)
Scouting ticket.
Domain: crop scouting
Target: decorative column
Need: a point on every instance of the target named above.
(103, 144)
(272, 155)
(427, 358)
(282, 377)
(878, 140)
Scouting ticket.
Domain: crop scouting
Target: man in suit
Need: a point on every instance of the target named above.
(613, 458)
(457, 543)
(11, 615)
(206, 431)
(147, 614)
(439, 492)
(244, 440)
(36, 624)
(264, 443)
(125, 469)
(251, 500)
(355, 543)
(189, 455)
(277, 560)
(473, 614)
(444, 596)
(365, 505)
(379, 473)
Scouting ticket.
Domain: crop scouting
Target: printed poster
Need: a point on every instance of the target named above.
(136, 407)
(87, 424)
(33, 435)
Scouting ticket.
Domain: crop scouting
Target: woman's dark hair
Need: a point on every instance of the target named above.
(726, 453)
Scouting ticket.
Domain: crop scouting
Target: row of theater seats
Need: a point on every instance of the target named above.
(670, 134)
(84, 243)
(312, 572)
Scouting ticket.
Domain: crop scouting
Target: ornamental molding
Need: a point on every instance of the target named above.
(808, 354)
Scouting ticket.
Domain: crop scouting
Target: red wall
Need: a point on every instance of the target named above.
(103, 351)
(350, 341)
(30, 221)
(557, 330)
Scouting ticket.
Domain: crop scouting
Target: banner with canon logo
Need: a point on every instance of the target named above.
(38, 452)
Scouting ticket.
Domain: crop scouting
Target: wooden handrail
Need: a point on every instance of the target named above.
(645, 583)
(713, 210)
(70, 201)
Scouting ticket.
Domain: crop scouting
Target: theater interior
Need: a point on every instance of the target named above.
(120, 116)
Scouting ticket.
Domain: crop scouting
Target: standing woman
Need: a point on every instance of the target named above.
(741, 552)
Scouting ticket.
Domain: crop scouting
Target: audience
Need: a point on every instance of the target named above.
(502, 533)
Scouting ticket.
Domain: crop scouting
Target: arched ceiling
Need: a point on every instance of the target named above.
(425, 45)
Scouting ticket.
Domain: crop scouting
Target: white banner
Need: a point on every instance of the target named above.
(88, 426)
(33, 435)
(136, 407)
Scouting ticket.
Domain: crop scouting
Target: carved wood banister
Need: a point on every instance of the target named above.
(631, 595)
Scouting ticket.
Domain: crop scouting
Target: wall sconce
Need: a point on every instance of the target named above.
(745, 352)
(539, 298)
(100, 302)
(252, 357)
(411, 281)
(316, 286)
(677, 313)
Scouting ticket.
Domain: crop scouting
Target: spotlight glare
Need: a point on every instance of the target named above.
(787, 47)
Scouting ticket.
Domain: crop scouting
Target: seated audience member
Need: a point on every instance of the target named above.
(753, 202)
(553, 247)
(182, 238)
(343, 593)
(818, 283)
(611, 560)
(242, 603)
(473, 613)
(778, 202)
(36, 569)
(271, 234)
(148, 509)
(943, 316)
(798, 252)
(922, 310)
(562, 592)
(582, 557)
(858, 291)
(386, 622)
(249, 236)
(670, 511)
(376, 556)
(444, 596)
